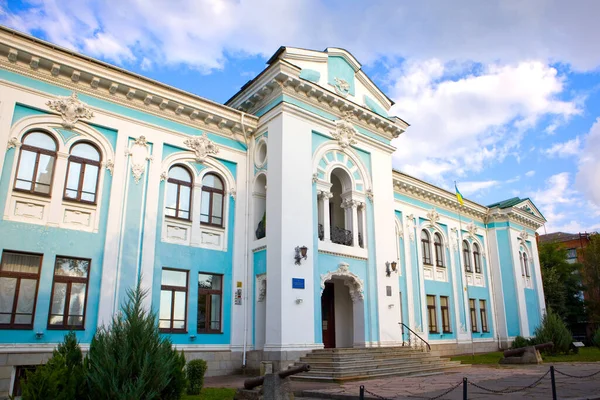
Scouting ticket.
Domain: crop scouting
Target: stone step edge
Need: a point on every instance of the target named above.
(308, 376)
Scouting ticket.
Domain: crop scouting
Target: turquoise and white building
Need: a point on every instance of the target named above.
(263, 228)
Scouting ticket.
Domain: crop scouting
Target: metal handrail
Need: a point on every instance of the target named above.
(414, 333)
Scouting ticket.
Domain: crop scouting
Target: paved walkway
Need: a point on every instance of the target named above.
(426, 387)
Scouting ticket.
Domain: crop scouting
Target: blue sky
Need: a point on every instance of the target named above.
(502, 96)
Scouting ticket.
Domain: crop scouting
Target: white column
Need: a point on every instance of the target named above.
(354, 210)
(325, 196)
(363, 216)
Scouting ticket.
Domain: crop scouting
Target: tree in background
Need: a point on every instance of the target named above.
(591, 274)
(562, 285)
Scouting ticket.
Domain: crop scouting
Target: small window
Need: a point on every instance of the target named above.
(439, 255)
(173, 301)
(179, 193)
(432, 314)
(445, 307)
(426, 247)
(467, 256)
(477, 258)
(571, 253)
(521, 261)
(69, 293)
(526, 265)
(473, 309)
(213, 194)
(36, 164)
(20, 375)
(82, 173)
(19, 278)
(483, 313)
(210, 295)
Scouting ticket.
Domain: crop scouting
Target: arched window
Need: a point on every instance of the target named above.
(526, 265)
(477, 258)
(213, 193)
(467, 256)
(521, 261)
(426, 247)
(82, 173)
(36, 163)
(439, 255)
(179, 193)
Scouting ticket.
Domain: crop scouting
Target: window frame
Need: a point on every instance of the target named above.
(445, 310)
(83, 162)
(467, 257)
(37, 151)
(473, 312)
(208, 302)
(439, 250)
(426, 248)
(174, 289)
(483, 315)
(211, 191)
(432, 322)
(69, 280)
(526, 265)
(477, 258)
(180, 183)
(19, 276)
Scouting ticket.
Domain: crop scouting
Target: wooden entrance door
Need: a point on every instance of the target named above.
(328, 316)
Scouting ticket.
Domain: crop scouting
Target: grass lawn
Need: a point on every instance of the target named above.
(586, 354)
(212, 394)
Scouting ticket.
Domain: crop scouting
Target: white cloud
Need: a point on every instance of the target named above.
(200, 33)
(565, 149)
(587, 179)
(471, 187)
(460, 125)
(529, 174)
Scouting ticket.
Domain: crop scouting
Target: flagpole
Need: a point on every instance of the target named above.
(467, 310)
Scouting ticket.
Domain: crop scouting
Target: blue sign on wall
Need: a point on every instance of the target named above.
(297, 283)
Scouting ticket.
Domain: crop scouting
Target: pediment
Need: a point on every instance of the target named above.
(528, 206)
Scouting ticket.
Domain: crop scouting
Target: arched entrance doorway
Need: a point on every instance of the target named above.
(342, 309)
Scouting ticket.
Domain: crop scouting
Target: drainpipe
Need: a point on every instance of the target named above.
(246, 255)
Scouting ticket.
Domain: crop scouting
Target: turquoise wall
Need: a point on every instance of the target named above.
(508, 281)
(338, 67)
(402, 284)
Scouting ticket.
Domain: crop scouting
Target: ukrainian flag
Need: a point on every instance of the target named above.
(459, 196)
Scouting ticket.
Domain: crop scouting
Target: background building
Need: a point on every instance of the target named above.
(263, 228)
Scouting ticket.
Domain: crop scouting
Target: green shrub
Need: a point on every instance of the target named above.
(553, 329)
(596, 338)
(130, 359)
(519, 342)
(195, 375)
(61, 378)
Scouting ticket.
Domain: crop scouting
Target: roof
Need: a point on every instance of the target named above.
(508, 203)
(561, 237)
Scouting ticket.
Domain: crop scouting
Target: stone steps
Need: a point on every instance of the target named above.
(329, 365)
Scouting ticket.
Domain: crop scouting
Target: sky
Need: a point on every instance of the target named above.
(503, 96)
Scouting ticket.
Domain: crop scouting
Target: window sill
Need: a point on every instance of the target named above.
(208, 333)
(79, 202)
(65, 328)
(447, 332)
(36, 194)
(172, 331)
(16, 327)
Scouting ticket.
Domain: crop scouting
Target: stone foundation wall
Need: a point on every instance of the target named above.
(452, 349)
(8, 361)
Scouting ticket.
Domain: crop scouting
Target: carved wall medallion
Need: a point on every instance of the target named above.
(139, 153)
(344, 133)
(202, 147)
(352, 281)
(13, 142)
(433, 217)
(341, 86)
(472, 229)
(524, 235)
(70, 109)
(410, 225)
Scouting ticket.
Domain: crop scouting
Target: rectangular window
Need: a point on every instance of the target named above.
(21, 374)
(483, 313)
(432, 314)
(69, 293)
(445, 307)
(473, 309)
(210, 294)
(173, 301)
(19, 278)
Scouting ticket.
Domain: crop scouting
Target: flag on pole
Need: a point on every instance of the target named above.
(459, 196)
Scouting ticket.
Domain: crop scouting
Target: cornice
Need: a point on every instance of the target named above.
(516, 215)
(44, 62)
(283, 78)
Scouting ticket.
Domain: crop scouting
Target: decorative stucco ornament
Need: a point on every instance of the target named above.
(138, 170)
(13, 142)
(352, 281)
(70, 109)
(433, 217)
(369, 194)
(261, 285)
(524, 235)
(232, 193)
(341, 86)
(323, 194)
(110, 166)
(139, 153)
(410, 225)
(344, 133)
(454, 235)
(202, 147)
(164, 176)
(472, 229)
(315, 177)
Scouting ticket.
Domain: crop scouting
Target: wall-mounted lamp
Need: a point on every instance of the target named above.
(393, 265)
(192, 337)
(299, 301)
(300, 254)
(39, 335)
